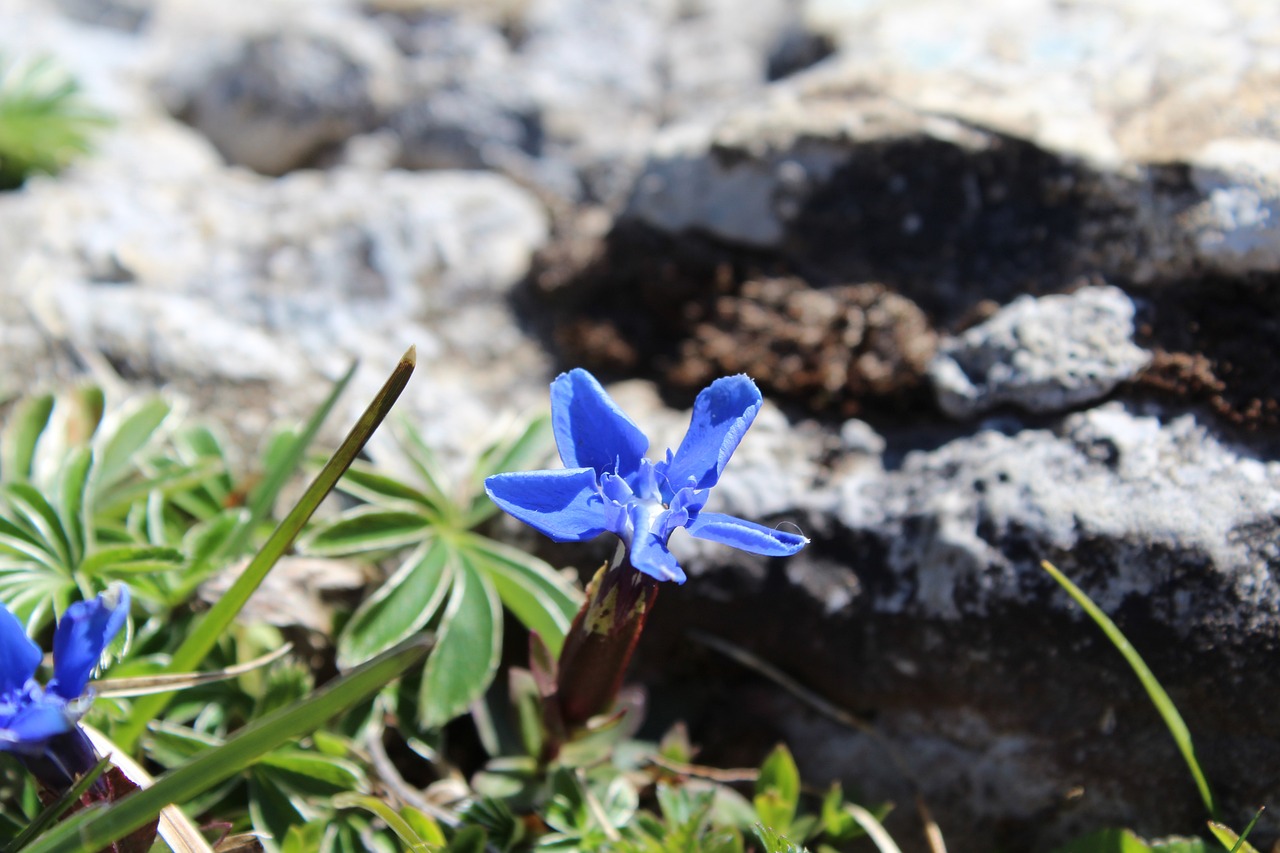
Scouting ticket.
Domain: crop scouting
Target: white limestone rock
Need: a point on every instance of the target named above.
(1045, 354)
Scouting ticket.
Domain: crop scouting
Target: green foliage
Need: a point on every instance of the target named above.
(95, 829)
(78, 505)
(449, 577)
(43, 122)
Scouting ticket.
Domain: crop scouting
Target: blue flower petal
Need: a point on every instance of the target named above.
(649, 554)
(746, 535)
(19, 655)
(591, 431)
(564, 504)
(83, 633)
(34, 724)
(721, 415)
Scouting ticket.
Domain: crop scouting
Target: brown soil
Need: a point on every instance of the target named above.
(688, 312)
(1215, 344)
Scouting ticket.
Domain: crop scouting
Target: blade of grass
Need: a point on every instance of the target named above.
(1164, 705)
(95, 829)
(206, 632)
(58, 808)
(174, 827)
(264, 495)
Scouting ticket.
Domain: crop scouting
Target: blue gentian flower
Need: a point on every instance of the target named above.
(607, 484)
(39, 724)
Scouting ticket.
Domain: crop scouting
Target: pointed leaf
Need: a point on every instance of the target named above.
(126, 559)
(363, 481)
(366, 528)
(778, 789)
(40, 518)
(402, 606)
(468, 645)
(72, 490)
(18, 442)
(134, 428)
(531, 589)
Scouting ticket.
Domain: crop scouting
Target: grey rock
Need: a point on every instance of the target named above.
(283, 98)
(1146, 498)
(925, 603)
(1113, 83)
(1042, 355)
(1236, 228)
(230, 279)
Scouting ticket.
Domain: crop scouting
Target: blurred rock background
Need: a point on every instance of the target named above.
(1008, 272)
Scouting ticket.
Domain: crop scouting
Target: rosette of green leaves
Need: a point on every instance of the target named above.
(44, 123)
(449, 577)
(74, 501)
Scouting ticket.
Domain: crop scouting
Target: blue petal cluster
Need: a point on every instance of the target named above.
(607, 484)
(31, 715)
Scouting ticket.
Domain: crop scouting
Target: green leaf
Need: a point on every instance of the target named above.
(204, 636)
(43, 122)
(470, 839)
(128, 559)
(38, 516)
(404, 830)
(18, 442)
(93, 830)
(502, 826)
(72, 494)
(778, 789)
(775, 842)
(313, 773)
(535, 592)
(424, 825)
(363, 481)
(1172, 719)
(401, 606)
(469, 643)
(423, 459)
(366, 528)
(305, 837)
(136, 425)
(274, 812)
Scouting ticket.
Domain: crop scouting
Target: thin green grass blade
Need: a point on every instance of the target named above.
(264, 495)
(204, 635)
(58, 808)
(95, 829)
(1172, 719)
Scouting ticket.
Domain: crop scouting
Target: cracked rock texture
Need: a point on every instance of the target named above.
(1008, 275)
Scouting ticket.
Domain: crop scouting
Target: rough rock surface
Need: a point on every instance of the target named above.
(1042, 355)
(715, 204)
